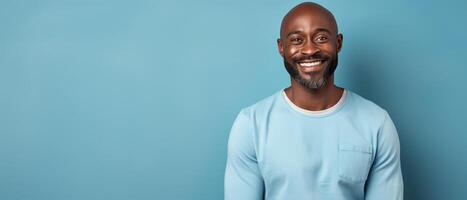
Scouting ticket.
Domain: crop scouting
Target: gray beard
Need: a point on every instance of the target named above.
(310, 83)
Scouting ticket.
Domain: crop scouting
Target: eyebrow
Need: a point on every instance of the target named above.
(317, 30)
(293, 32)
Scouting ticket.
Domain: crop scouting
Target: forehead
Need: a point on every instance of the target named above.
(308, 19)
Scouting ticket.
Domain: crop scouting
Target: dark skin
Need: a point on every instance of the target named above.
(307, 32)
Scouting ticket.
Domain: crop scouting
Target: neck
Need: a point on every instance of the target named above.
(314, 99)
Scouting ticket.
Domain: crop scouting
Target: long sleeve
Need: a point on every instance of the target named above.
(243, 180)
(385, 178)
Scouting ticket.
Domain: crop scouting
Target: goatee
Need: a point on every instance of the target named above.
(313, 84)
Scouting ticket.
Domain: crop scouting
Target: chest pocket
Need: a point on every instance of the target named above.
(354, 162)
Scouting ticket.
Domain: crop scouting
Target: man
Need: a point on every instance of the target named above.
(313, 140)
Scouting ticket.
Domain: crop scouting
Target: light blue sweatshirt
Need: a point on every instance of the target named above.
(279, 151)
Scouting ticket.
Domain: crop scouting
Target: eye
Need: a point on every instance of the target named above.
(296, 40)
(321, 38)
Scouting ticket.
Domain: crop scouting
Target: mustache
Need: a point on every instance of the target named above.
(315, 56)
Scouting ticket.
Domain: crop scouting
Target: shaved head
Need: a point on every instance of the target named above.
(308, 8)
(309, 42)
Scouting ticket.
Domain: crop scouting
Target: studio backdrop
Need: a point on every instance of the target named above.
(135, 99)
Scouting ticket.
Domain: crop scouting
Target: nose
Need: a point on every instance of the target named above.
(309, 48)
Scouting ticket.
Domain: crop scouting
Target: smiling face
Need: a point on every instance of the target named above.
(309, 44)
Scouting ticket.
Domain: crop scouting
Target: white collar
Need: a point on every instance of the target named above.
(317, 113)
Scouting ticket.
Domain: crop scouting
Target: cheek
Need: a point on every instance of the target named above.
(291, 52)
(330, 48)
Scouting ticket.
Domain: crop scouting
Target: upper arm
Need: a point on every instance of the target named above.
(243, 179)
(385, 178)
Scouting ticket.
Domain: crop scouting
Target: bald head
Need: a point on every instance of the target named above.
(308, 12)
(309, 43)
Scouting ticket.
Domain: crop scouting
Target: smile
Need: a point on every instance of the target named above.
(310, 66)
(310, 63)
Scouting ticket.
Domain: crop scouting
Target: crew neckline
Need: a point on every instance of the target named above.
(318, 113)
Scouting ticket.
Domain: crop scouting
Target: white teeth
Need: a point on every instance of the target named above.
(310, 64)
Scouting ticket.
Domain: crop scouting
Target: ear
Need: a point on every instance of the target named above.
(340, 40)
(280, 47)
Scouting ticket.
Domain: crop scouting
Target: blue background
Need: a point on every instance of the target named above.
(135, 99)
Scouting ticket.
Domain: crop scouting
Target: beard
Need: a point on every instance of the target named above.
(313, 83)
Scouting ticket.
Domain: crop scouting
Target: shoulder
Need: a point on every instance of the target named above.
(243, 134)
(261, 107)
(363, 108)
